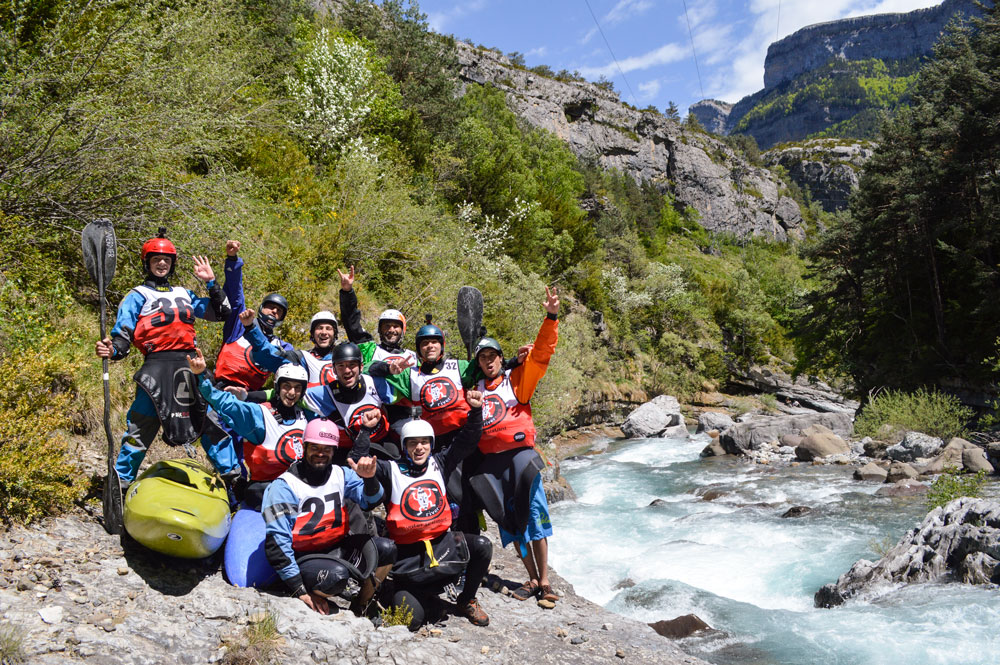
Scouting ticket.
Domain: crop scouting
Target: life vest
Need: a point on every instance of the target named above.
(320, 370)
(322, 520)
(507, 423)
(382, 355)
(441, 396)
(418, 507)
(235, 365)
(282, 445)
(351, 413)
(166, 320)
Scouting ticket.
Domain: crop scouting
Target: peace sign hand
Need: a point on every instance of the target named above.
(399, 364)
(346, 281)
(551, 303)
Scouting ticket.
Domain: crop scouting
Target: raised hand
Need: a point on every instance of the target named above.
(474, 398)
(104, 349)
(197, 362)
(346, 281)
(238, 392)
(551, 303)
(371, 418)
(247, 318)
(202, 269)
(397, 365)
(364, 467)
(522, 353)
(232, 247)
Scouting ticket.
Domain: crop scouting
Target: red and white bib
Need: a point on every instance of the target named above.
(351, 413)
(166, 320)
(507, 423)
(418, 507)
(320, 370)
(282, 445)
(441, 396)
(235, 364)
(322, 520)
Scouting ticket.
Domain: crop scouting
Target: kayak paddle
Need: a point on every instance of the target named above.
(470, 317)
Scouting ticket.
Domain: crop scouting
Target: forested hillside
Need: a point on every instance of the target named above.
(321, 142)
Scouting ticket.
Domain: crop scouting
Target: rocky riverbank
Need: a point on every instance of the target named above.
(70, 592)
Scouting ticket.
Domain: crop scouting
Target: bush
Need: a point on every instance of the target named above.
(952, 484)
(397, 615)
(927, 411)
(257, 644)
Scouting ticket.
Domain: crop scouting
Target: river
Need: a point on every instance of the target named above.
(748, 572)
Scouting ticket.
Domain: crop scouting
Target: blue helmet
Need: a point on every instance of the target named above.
(429, 331)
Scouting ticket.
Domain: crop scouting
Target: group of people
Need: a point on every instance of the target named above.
(342, 429)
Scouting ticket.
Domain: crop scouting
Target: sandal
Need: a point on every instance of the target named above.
(525, 591)
(546, 593)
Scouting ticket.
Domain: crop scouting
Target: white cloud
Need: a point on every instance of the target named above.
(538, 52)
(649, 89)
(661, 56)
(438, 21)
(626, 9)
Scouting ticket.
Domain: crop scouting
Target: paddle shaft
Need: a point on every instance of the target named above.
(105, 373)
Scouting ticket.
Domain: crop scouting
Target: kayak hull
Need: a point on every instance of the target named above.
(244, 561)
(178, 508)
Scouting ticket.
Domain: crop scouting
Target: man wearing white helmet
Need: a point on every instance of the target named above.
(418, 519)
(391, 327)
(307, 523)
(271, 432)
(316, 361)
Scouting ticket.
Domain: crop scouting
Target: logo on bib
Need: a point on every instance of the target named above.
(494, 409)
(438, 393)
(183, 383)
(248, 358)
(355, 424)
(326, 375)
(422, 501)
(289, 446)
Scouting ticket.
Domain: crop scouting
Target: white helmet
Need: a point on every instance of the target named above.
(291, 372)
(324, 316)
(393, 315)
(416, 428)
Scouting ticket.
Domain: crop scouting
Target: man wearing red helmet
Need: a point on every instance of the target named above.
(159, 320)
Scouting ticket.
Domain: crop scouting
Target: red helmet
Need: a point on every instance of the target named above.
(159, 245)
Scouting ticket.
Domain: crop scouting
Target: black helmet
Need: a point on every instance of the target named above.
(487, 343)
(267, 322)
(346, 352)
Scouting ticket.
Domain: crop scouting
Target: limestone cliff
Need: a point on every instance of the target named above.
(701, 171)
(829, 169)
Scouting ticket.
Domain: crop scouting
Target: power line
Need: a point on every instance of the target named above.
(777, 28)
(694, 51)
(597, 23)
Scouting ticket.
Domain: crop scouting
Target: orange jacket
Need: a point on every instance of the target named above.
(525, 377)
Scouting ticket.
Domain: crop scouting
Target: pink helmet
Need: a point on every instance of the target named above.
(322, 432)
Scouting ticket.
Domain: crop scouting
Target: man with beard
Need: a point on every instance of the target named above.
(306, 521)
(317, 360)
(391, 327)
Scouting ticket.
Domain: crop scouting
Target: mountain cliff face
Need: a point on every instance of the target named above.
(701, 171)
(882, 36)
(828, 169)
(837, 79)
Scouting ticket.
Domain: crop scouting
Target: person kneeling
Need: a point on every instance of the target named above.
(418, 518)
(306, 523)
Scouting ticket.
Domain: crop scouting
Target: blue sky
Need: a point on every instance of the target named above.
(650, 39)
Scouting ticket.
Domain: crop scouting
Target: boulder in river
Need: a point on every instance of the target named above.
(711, 420)
(652, 418)
(713, 449)
(906, 487)
(680, 627)
(900, 471)
(761, 430)
(871, 471)
(974, 460)
(957, 541)
(819, 442)
(913, 446)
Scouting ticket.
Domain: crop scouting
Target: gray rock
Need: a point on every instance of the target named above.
(900, 471)
(809, 393)
(792, 440)
(826, 168)
(52, 614)
(652, 418)
(676, 432)
(950, 457)
(913, 446)
(974, 460)
(711, 114)
(711, 420)
(819, 442)
(761, 430)
(902, 488)
(871, 471)
(681, 627)
(956, 541)
(796, 511)
(713, 449)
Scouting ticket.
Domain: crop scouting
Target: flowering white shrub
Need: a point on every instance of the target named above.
(489, 234)
(623, 298)
(334, 90)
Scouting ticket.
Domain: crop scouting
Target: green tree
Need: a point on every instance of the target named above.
(908, 279)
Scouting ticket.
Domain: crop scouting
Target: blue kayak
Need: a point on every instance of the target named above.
(244, 562)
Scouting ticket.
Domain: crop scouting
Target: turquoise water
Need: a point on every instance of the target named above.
(749, 573)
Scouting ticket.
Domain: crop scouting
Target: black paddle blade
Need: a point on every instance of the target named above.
(470, 316)
(114, 522)
(100, 250)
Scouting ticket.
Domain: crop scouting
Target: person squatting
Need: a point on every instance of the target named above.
(345, 428)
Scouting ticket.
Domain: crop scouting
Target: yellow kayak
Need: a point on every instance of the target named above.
(178, 507)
